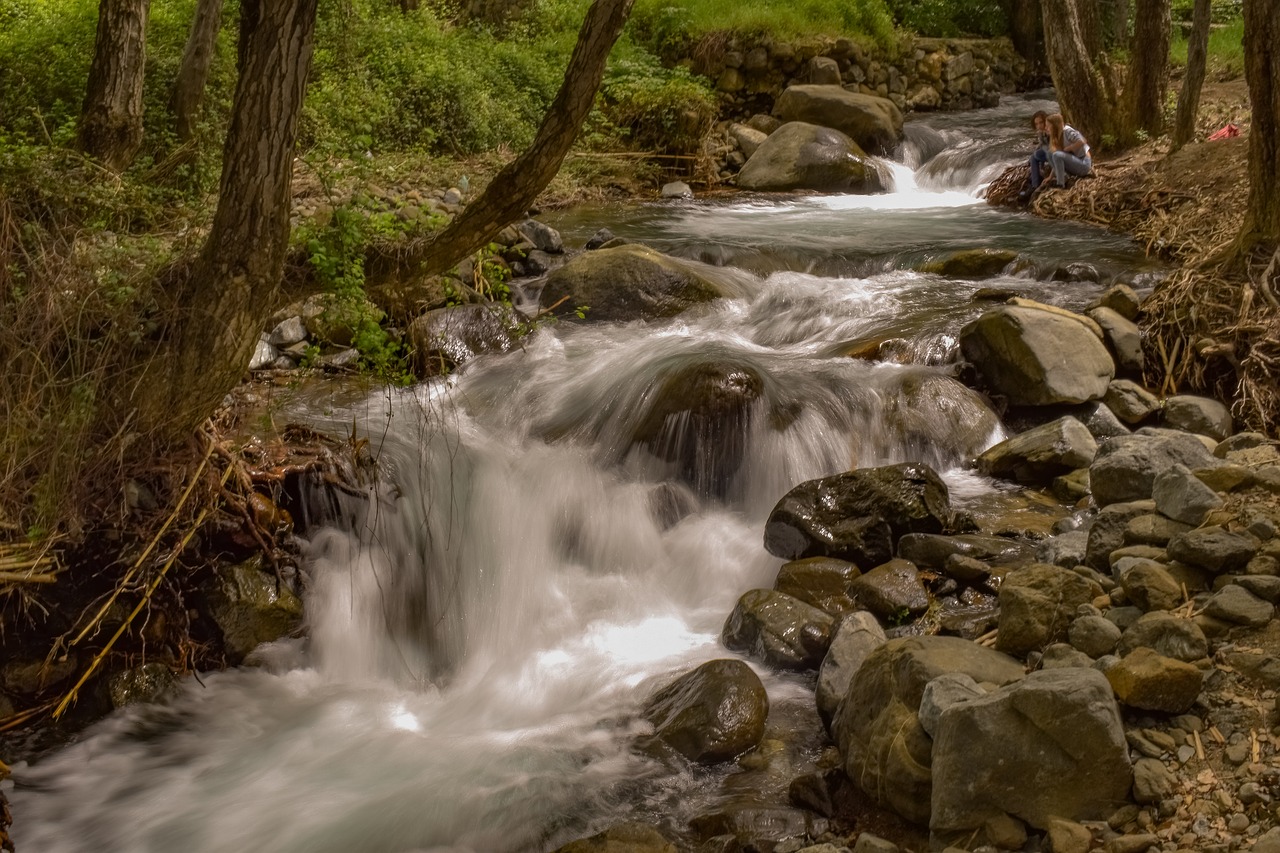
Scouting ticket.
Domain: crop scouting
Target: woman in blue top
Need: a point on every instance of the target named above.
(1069, 152)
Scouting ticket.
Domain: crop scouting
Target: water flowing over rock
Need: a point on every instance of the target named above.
(887, 752)
(971, 263)
(875, 124)
(624, 838)
(857, 516)
(250, 607)
(1035, 357)
(715, 713)
(631, 282)
(806, 156)
(1040, 454)
(1048, 746)
(447, 338)
(778, 629)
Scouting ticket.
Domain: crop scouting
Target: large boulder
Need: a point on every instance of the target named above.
(801, 156)
(715, 713)
(820, 581)
(449, 337)
(856, 636)
(1038, 455)
(250, 607)
(1126, 466)
(887, 753)
(927, 409)
(1036, 357)
(1048, 746)
(1199, 415)
(875, 124)
(780, 630)
(859, 515)
(1037, 605)
(631, 282)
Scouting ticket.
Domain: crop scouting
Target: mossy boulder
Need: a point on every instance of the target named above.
(628, 282)
(971, 263)
(874, 123)
(250, 607)
(802, 156)
(446, 338)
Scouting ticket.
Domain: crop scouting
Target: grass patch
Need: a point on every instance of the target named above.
(660, 23)
(1226, 50)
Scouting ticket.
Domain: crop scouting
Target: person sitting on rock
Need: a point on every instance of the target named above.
(1069, 152)
(1040, 157)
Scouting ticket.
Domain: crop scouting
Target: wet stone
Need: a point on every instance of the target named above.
(891, 591)
(778, 629)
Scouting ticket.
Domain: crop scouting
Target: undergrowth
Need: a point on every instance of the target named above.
(1225, 53)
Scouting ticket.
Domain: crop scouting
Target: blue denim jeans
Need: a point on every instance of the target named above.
(1038, 158)
(1065, 163)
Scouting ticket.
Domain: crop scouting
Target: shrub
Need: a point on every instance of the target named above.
(947, 19)
(657, 109)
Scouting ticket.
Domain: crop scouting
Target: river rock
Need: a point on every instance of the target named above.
(1066, 550)
(1241, 441)
(887, 752)
(1037, 605)
(874, 123)
(698, 416)
(1093, 635)
(856, 637)
(542, 236)
(630, 282)
(1123, 337)
(1148, 584)
(142, 685)
(28, 677)
(1150, 681)
(264, 355)
(1182, 496)
(892, 591)
(943, 692)
(1129, 401)
(288, 332)
(1038, 455)
(778, 629)
(925, 408)
(623, 838)
(1035, 357)
(447, 338)
(1100, 420)
(1235, 604)
(712, 714)
(1214, 548)
(1199, 415)
(1050, 745)
(1126, 466)
(824, 71)
(1106, 534)
(966, 569)
(802, 156)
(1120, 298)
(250, 607)
(858, 515)
(971, 264)
(1166, 634)
(757, 826)
(932, 550)
(748, 138)
(821, 581)
(1152, 781)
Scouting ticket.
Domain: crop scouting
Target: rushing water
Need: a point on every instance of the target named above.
(484, 626)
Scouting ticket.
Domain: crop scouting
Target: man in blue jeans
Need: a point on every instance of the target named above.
(1040, 157)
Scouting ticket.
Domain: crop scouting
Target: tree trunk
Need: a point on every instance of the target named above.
(111, 121)
(514, 189)
(220, 307)
(193, 74)
(1184, 126)
(1145, 87)
(1026, 32)
(1073, 39)
(1262, 71)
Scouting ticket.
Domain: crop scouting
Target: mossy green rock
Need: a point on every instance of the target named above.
(623, 838)
(630, 282)
(250, 607)
(142, 685)
(971, 263)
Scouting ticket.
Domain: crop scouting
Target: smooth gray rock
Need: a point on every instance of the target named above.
(1064, 655)
(1107, 532)
(676, 189)
(875, 124)
(1049, 746)
(1169, 635)
(857, 516)
(1120, 298)
(1241, 441)
(893, 591)
(1037, 604)
(1035, 357)
(1235, 604)
(1214, 548)
(1130, 402)
(856, 637)
(1126, 466)
(288, 332)
(1100, 420)
(887, 752)
(1038, 455)
(943, 692)
(1151, 530)
(1123, 337)
(1199, 415)
(1266, 587)
(1152, 781)
(1066, 550)
(1182, 496)
(543, 237)
(1095, 636)
(778, 629)
(264, 355)
(748, 138)
(712, 714)
(806, 156)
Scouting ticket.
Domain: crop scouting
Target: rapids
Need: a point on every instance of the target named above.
(485, 623)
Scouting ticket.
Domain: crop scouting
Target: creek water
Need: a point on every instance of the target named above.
(485, 623)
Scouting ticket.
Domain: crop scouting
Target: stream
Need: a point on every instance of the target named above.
(485, 624)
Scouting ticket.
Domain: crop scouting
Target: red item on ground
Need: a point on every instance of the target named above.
(1228, 131)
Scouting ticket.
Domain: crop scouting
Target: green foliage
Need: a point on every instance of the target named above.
(1226, 49)
(1220, 11)
(950, 18)
(659, 23)
(657, 108)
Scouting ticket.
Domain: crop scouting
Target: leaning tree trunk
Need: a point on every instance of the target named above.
(222, 304)
(1073, 40)
(1262, 71)
(1184, 126)
(1145, 87)
(111, 121)
(193, 74)
(515, 188)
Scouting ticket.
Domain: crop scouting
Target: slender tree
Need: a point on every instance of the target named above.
(1184, 125)
(193, 73)
(1262, 71)
(1145, 84)
(111, 120)
(221, 303)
